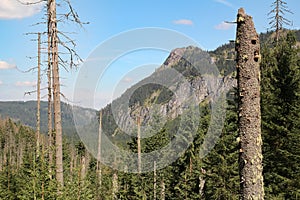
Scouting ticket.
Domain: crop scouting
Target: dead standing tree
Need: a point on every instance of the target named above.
(52, 32)
(279, 9)
(55, 60)
(248, 76)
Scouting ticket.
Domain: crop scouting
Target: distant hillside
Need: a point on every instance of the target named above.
(25, 112)
(224, 56)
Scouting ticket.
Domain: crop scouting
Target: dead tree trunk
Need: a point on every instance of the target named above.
(49, 73)
(56, 91)
(115, 185)
(139, 143)
(99, 170)
(248, 75)
(38, 118)
(154, 180)
(201, 183)
(163, 188)
(38, 115)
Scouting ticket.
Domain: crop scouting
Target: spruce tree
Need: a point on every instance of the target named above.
(221, 164)
(280, 115)
(277, 19)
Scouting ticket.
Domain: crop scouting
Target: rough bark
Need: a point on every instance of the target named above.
(39, 139)
(56, 91)
(248, 75)
(38, 118)
(50, 129)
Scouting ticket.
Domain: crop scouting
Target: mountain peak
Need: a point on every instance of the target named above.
(176, 55)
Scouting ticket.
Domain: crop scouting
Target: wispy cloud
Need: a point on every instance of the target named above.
(223, 26)
(6, 65)
(1, 83)
(14, 9)
(127, 80)
(224, 2)
(25, 83)
(183, 22)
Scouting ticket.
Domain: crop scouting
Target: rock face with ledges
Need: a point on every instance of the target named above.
(195, 80)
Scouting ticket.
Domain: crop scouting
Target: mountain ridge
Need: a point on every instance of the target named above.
(223, 57)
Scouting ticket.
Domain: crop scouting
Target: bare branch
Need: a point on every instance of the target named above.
(227, 22)
(39, 23)
(31, 57)
(74, 15)
(29, 70)
(33, 91)
(68, 38)
(73, 54)
(66, 99)
(30, 3)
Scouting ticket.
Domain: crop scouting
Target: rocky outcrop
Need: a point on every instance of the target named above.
(187, 88)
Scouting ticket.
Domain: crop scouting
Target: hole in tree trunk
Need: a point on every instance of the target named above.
(256, 56)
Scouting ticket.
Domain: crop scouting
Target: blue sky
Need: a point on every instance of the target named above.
(201, 20)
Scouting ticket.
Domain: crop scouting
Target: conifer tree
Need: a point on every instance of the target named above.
(280, 114)
(221, 164)
(279, 9)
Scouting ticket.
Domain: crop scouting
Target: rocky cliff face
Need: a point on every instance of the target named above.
(187, 77)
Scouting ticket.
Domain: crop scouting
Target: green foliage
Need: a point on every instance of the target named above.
(280, 118)
(25, 171)
(221, 164)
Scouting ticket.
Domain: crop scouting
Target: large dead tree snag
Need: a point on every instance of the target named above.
(50, 126)
(248, 76)
(38, 118)
(52, 30)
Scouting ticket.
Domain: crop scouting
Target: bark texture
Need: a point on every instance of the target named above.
(38, 116)
(49, 76)
(248, 75)
(56, 91)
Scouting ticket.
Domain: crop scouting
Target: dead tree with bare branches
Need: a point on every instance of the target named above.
(57, 59)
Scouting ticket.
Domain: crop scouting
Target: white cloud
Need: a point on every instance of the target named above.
(5, 65)
(14, 9)
(223, 26)
(25, 84)
(224, 2)
(183, 22)
(127, 80)
(1, 82)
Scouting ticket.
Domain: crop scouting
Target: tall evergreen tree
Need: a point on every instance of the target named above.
(280, 115)
(221, 164)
